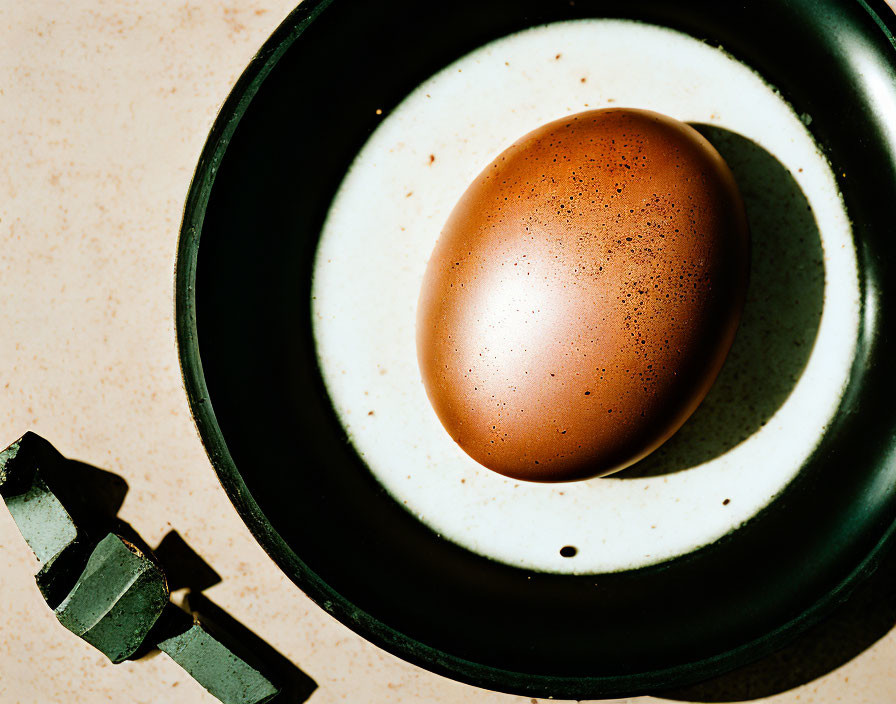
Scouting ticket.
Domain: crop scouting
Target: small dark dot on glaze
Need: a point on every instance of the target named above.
(568, 551)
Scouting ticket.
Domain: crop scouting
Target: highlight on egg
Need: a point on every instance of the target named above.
(583, 295)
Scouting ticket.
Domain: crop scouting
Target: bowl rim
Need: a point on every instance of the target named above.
(370, 628)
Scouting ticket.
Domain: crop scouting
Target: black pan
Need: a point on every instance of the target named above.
(277, 152)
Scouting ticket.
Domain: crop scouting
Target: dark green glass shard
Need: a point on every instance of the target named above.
(226, 676)
(28, 469)
(42, 519)
(18, 462)
(57, 576)
(116, 600)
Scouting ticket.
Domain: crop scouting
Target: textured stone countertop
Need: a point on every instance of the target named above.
(104, 108)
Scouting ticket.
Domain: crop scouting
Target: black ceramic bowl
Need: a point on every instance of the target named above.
(278, 151)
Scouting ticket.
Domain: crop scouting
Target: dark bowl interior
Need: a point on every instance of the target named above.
(278, 151)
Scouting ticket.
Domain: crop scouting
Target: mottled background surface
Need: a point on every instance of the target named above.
(104, 108)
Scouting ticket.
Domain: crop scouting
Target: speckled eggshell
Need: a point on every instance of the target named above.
(583, 295)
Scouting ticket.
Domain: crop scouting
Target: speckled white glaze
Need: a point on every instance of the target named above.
(385, 220)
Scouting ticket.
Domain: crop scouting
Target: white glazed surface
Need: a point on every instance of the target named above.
(388, 214)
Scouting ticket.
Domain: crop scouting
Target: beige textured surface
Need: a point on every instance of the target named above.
(104, 107)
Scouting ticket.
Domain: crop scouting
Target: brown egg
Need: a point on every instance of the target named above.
(583, 294)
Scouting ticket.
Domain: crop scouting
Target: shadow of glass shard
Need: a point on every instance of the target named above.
(116, 600)
(183, 566)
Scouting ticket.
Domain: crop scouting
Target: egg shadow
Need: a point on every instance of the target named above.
(780, 320)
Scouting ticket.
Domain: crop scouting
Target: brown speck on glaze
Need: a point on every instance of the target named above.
(606, 250)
